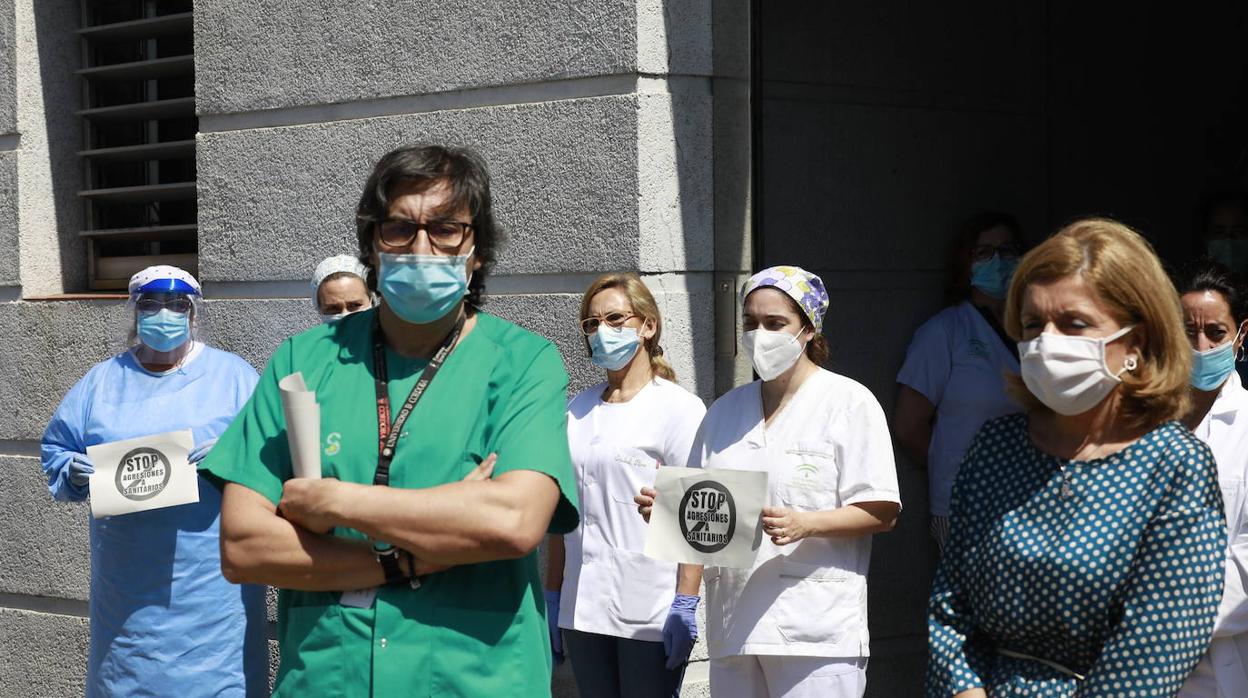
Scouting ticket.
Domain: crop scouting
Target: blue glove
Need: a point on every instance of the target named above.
(681, 629)
(197, 454)
(80, 469)
(552, 622)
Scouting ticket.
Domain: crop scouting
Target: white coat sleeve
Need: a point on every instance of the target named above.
(1233, 610)
(867, 470)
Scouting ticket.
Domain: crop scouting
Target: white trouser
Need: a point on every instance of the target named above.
(770, 676)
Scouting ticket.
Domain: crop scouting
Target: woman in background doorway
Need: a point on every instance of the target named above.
(953, 379)
(1215, 315)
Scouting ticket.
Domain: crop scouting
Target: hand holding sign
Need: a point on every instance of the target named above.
(785, 526)
(150, 472)
(706, 517)
(645, 502)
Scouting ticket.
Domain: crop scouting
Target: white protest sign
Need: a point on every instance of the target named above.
(150, 472)
(303, 425)
(707, 517)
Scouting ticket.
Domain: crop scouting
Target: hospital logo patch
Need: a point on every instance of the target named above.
(142, 474)
(976, 349)
(332, 443)
(708, 516)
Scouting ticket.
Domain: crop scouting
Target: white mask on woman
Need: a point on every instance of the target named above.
(772, 353)
(1068, 373)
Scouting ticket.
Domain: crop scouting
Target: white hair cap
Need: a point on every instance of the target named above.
(164, 278)
(338, 263)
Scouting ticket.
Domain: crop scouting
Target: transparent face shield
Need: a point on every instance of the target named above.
(157, 312)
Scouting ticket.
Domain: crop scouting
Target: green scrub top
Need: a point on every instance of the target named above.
(473, 630)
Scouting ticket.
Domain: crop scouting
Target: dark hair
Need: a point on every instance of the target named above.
(426, 165)
(958, 287)
(1205, 274)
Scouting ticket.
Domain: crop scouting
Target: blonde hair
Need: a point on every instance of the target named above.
(643, 305)
(1125, 276)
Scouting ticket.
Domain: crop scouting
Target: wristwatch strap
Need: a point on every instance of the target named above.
(389, 560)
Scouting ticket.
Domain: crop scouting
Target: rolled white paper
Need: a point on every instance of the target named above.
(303, 425)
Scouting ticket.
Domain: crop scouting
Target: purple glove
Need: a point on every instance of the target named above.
(552, 622)
(681, 629)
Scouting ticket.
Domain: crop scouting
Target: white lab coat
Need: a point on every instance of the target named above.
(609, 586)
(1223, 671)
(828, 448)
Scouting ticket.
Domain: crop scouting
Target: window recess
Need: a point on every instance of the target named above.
(139, 125)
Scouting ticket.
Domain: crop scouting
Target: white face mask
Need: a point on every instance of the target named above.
(772, 353)
(1069, 373)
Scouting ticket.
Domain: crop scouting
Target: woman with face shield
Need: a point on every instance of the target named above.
(163, 619)
(1215, 314)
(1087, 543)
(795, 623)
(340, 287)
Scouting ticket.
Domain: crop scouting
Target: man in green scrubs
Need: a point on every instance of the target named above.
(438, 557)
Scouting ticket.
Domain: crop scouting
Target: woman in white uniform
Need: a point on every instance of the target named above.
(953, 379)
(629, 619)
(1215, 312)
(795, 624)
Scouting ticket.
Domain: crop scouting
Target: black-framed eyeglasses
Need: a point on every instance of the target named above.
(444, 236)
(983, 253)
(151, 306)
(615, 320)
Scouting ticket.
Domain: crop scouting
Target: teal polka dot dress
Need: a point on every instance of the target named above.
(1092, 578)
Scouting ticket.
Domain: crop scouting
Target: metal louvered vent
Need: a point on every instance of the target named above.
(138, 116)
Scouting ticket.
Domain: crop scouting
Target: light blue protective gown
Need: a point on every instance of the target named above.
(164, 622)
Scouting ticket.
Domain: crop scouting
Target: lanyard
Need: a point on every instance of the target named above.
(388, 434)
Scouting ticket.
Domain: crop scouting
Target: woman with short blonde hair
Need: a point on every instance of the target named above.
(1087, 536)
(1121, 272)
(628, 620)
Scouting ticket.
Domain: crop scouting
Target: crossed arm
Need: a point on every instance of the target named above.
(290, 546)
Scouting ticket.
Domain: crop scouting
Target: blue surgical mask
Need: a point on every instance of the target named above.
(613, 348)
(422, 288)
(1212, 367)
(993, 276)
(164, 330)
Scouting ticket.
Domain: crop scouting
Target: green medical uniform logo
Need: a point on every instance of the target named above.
(332, 443)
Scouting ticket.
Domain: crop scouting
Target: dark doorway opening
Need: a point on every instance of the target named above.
(881, 126)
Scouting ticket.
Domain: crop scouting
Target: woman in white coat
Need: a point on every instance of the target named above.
(795, 624)
(1215, 312)
(628, 619)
